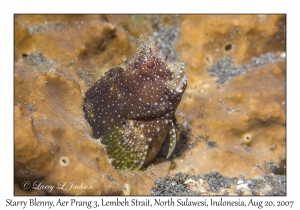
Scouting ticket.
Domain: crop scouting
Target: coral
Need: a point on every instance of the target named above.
(79, 40)
(53, 142)
(242, 118)
(232, 114)
(211, 37)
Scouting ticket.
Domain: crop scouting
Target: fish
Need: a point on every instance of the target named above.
(131, 108)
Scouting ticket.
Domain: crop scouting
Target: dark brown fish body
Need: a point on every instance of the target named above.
(131, 108)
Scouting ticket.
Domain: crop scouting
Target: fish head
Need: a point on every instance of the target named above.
(152, 85)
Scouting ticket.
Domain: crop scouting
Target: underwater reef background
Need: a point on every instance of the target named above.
(232, 114)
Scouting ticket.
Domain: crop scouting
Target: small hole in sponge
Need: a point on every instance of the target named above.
(246, 139)
(126, 189)
(64, 161)
(228, 47)
(209, 60)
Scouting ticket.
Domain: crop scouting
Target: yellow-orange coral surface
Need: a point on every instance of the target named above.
(235, 127)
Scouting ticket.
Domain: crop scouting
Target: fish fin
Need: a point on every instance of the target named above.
(177, 128)
(174, 135)
(127, 147)
(111, 141)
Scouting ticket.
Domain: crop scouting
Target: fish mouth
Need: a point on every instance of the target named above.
(178, 84)
(181, 83)
(175, 89)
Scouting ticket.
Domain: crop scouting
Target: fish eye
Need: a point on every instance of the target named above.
(114, 72)
(150, 65)
(147, 65)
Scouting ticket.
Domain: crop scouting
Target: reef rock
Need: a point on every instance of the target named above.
(232, 114)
